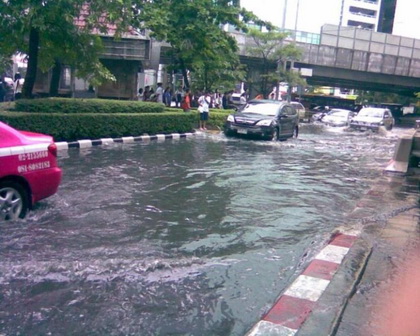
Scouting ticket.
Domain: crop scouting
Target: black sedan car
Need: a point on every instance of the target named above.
(268, 119)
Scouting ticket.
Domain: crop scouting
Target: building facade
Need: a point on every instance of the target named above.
(310, 16)
(361, 14)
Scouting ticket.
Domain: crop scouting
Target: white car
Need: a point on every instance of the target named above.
(338, 117)
(301, 111)
(372, 118)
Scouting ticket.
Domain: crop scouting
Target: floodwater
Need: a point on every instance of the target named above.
(193, 236)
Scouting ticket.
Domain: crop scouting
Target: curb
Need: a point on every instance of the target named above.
(125, 140)
(326, 318)
(298, 301)
(307, 306)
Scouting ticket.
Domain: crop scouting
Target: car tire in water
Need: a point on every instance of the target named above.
(389, 128)
(276, 135)
(228, 133)
(14, 201)
(296, 132)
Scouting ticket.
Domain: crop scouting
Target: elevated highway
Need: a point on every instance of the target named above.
(356, 58)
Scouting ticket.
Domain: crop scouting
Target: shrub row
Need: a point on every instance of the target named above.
(77, 126)
(75, 105)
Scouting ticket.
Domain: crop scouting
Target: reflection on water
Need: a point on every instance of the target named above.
(195, 236)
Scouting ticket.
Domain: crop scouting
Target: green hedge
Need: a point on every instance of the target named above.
(75, 105)
(71, 127)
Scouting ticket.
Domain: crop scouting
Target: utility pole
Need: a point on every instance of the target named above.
(297, 17)
(341, 13)
(284, 14)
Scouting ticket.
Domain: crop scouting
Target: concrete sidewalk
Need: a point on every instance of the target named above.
(388, 218)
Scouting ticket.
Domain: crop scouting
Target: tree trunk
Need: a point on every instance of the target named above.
(55, 78)
(30, 77)
(184, 73)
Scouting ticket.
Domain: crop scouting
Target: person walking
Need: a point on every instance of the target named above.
(159, 93)
(179, 95)
(242, 99)
(17, 86)
(204, 107)
(167, 97)
(186, 101)
(146, 93)
(152, 95)
(140, 95)
(217, 99)
(225, 101)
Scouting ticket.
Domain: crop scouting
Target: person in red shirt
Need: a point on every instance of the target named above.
(186, 102)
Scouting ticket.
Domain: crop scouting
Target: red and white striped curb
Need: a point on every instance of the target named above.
(297, 302)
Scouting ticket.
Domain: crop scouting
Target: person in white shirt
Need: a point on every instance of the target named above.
(204, 106)
(159, 93)
(17, 86)
(179, 96)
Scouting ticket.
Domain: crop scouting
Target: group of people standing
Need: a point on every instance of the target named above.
(11, 91)
(184, 98)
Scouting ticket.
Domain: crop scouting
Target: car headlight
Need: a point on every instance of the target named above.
(265, 122)
(230, 118)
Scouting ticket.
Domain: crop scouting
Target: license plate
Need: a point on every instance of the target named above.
(242, 131)
(363, 128)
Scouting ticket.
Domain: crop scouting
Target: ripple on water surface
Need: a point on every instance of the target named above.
(194, 236)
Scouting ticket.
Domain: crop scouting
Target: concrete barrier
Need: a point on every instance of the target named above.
(402, 158)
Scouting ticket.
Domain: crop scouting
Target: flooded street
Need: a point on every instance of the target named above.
(193, 236)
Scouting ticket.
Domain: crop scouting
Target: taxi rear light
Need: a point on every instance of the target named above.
(53, 149)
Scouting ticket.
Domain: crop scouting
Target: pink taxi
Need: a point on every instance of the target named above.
(28, 170)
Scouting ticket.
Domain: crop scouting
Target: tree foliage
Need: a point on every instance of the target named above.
(46, 31)
(198, 43)
(369, 97)
(274, 53)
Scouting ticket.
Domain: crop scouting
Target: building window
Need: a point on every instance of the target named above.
(361, 25)
(362, 12)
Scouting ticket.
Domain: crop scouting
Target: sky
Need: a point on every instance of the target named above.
(407, 18)
(314, 14)
(311, 16)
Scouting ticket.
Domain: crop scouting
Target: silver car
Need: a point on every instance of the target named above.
(372, 118)
(338, 117)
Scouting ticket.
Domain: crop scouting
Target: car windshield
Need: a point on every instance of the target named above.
(374, 113)
(264, 109)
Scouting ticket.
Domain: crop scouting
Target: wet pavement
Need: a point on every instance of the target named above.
(195, 238)
(366, 294)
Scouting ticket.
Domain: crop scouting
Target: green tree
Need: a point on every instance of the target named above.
(193, 29)
(5, 64)
(274, 55)
(47, 32)
(369, 97)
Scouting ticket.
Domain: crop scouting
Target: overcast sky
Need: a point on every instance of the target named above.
(407, 19)
(313, 14)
